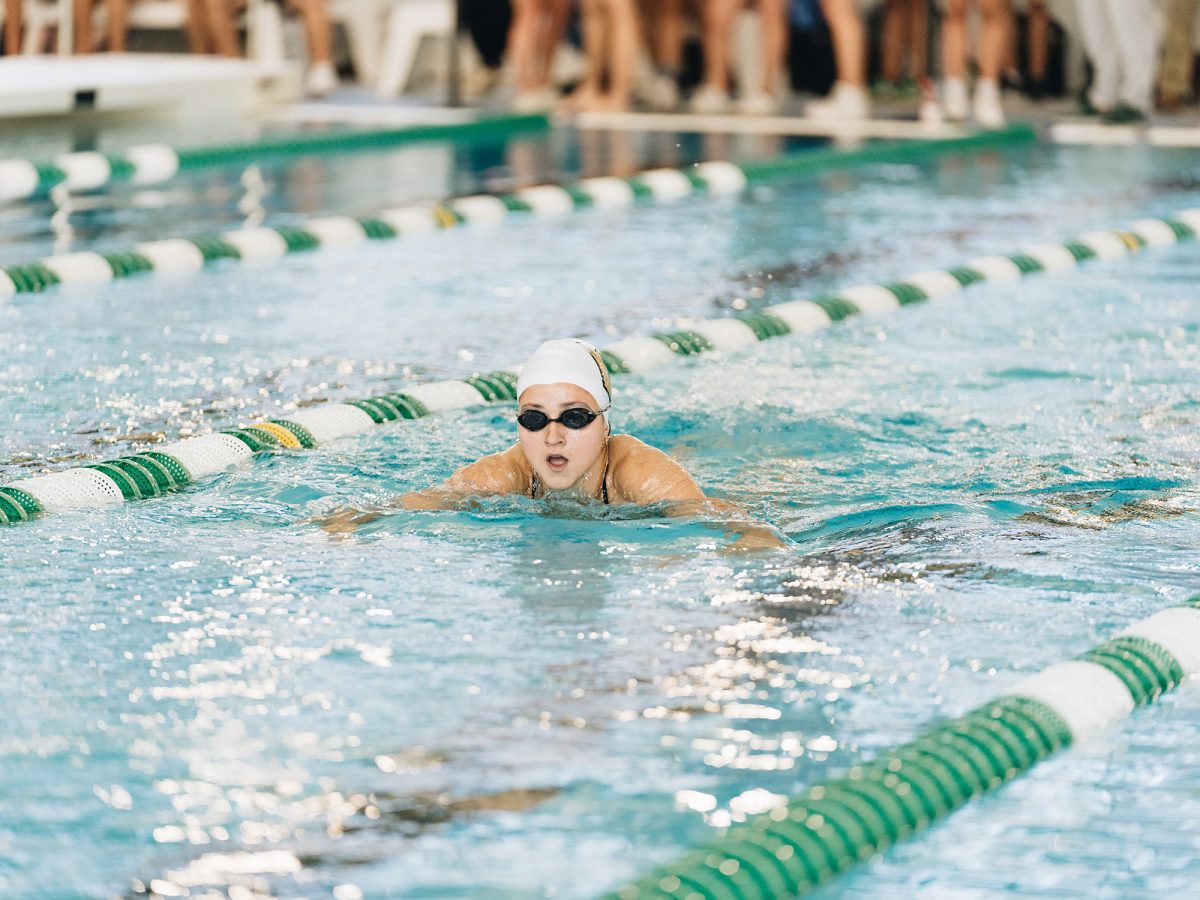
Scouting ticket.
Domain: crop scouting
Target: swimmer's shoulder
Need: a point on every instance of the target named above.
(506, 472)
(644, 474)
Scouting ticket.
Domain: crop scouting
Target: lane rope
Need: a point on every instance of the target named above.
(806, 841)
(147, 164)
(261, 244)
(184, 462)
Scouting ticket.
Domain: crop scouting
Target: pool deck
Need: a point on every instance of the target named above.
(187, 85)
(1058, 119)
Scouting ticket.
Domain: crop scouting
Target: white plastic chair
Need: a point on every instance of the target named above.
(408, 21)
(158, 15)
(363, 23)
(38, 19)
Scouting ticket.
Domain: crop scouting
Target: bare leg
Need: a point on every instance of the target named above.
(663, 25)
(994, 38)
(848, 100)
(849, 41)
(773, 17)
(317, 30)
(13, 15)
(522, 36)
(118, 25)
(895, 16)
(221, 29)
(83, 26)
(1037, 33)
(554, 26)
(622, 52)
(195, 26)
(918, 37)
(1175, 76)
(718, 25)
(595, 48)
(954, 40)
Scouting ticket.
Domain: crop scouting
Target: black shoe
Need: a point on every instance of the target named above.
(1123, 114)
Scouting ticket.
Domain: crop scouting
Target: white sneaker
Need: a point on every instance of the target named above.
(709, 101)
(538, 100)
(929, 110)
(758, 104)
(661, 92)
(846, 101)
(954, 99)
(321, 79)
(988, 111)
(480, 83)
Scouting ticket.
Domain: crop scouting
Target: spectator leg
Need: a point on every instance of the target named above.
(523, 44)
(221, 28)
(894, 39)
(993, 41)
(849, 41)
(1175, 81)
(84, 39)
(954, 40)
(554, 26)
(13, 15)
(318, 33)
(718, 27)
(622, 56)
(772, 16)
(1037, 36)
(118, 25)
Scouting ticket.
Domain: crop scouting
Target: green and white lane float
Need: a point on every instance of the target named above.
(832, 826)
(261, 244)
(152, 164)
(181, 463)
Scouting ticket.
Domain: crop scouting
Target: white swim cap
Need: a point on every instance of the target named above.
(568, 361)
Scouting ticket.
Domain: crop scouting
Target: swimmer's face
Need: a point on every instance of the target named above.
(563, 457)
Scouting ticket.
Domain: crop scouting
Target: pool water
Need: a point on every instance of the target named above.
(206, 693)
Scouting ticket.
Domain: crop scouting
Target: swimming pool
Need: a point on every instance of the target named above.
(202, 692)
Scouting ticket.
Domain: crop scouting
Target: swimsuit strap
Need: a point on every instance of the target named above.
(535, 483)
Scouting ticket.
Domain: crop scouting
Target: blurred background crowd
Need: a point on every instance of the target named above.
(941, 59)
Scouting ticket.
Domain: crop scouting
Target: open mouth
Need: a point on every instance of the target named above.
(556, 463)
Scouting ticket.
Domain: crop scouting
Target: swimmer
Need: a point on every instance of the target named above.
(566, 449)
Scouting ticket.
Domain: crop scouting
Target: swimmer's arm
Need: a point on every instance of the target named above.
(750, 533)
(660, 479)
(499, 473)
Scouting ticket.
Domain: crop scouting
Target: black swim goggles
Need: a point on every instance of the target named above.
(575, 418)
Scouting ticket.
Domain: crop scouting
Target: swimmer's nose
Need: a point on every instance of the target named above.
(556, 433)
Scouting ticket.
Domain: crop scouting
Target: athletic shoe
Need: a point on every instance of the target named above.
(758, 104)
(845, 102)
(929, 110)
(955, 100)
(538, 100)
(321, 79)
(988, 111)
(480, 83)
(1123, 114)
(709, 101)
(661, 92)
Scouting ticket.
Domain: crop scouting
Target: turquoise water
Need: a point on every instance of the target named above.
(204, 692)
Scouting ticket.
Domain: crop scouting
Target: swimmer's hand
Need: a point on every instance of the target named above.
(754, 538)
(752, 535)
(345, 521)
